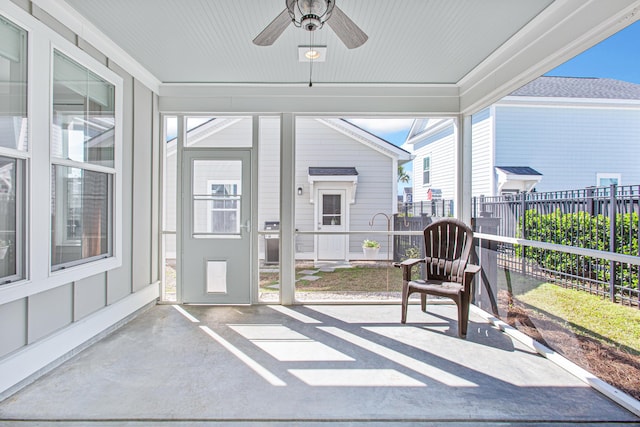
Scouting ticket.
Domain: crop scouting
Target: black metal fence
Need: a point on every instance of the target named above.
(600, 218)
(436, 208)
(409, 246)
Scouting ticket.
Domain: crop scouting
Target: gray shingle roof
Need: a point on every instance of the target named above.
(579, 87)
(518, 170)
(316, 171)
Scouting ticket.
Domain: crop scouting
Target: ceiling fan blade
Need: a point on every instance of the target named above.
(273, 30)
(350, 34)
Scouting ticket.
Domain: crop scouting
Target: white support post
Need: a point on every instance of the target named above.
(287, 209)
(463, 171)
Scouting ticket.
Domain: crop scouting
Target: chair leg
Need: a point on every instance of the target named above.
(405, 302)
(463, 316)
(423, 302)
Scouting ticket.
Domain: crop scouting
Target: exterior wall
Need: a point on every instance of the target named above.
(482, 153)
(321, 146)
(50, 315)
(440, 147)
(569, 145)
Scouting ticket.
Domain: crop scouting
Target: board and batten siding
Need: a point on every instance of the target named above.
(440, 146)
(569, 145)
(50, 316)
(482, 153)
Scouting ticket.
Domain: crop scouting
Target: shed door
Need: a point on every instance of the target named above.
(332, 218)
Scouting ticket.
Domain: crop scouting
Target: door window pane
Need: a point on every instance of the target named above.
(83, 126)
(13, 86)
(331, 214)
(81, 215)
(217, 193)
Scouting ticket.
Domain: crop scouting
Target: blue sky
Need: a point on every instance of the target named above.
(617, 57)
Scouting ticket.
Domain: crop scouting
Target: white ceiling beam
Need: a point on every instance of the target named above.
(321, 99)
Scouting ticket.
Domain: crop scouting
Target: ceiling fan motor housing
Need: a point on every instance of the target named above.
(310, 22)
(310, 14)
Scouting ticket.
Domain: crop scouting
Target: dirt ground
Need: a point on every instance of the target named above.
(616, 366)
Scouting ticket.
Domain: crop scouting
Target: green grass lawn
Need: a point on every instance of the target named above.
(354, 279)
(588, 314)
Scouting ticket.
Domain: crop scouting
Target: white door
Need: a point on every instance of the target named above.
(216, 233)
(332, 218)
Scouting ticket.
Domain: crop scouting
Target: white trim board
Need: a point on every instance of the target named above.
(32, 361)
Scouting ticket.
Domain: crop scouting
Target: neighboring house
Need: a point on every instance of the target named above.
(554, 133)
(333, 193)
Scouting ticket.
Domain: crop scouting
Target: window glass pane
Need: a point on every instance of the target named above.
(331, 209)
(13, 86)
(217, 196)
(10, 235)
(81, 221)
(83, 126)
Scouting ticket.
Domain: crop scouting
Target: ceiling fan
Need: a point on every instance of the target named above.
(312, 15)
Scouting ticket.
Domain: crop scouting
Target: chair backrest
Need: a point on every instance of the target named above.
(447, 245)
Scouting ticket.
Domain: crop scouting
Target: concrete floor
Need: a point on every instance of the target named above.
(307, 365)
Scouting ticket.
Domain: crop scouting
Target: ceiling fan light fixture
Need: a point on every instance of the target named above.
(310, 14)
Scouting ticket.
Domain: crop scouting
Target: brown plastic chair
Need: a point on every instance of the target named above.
(447, 272)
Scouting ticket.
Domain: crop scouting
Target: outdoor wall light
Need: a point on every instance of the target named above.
(299, 191)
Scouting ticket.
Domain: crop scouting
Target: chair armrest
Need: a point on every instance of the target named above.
(469, 272)
(472, 268)
(408, 262)
(407, 265)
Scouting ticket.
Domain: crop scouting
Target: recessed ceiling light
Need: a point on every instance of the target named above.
(312, 53)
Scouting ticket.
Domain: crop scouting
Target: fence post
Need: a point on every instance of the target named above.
(523, 218)
(590, 202)
(613, 207)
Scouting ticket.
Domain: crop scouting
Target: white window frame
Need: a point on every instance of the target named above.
(114, 259)
(22, 158)
(425, 158)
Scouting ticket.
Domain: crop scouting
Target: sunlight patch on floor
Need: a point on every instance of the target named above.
(287, 345)
(258, 368)
(355, 378)
(401, 359)
(294, 314)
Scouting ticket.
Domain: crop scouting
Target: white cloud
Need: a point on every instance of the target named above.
(382, 125)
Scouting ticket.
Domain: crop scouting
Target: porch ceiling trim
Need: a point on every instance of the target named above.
(571, 25)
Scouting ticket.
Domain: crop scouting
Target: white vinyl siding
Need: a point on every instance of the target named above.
(440, 148)
(569, 145)
(482, 153)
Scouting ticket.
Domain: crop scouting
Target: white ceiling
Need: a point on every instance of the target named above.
(481, 48)
(410, 41)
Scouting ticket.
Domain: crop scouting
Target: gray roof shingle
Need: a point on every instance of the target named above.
(579, 87)
(518, 170)
(333, 171)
